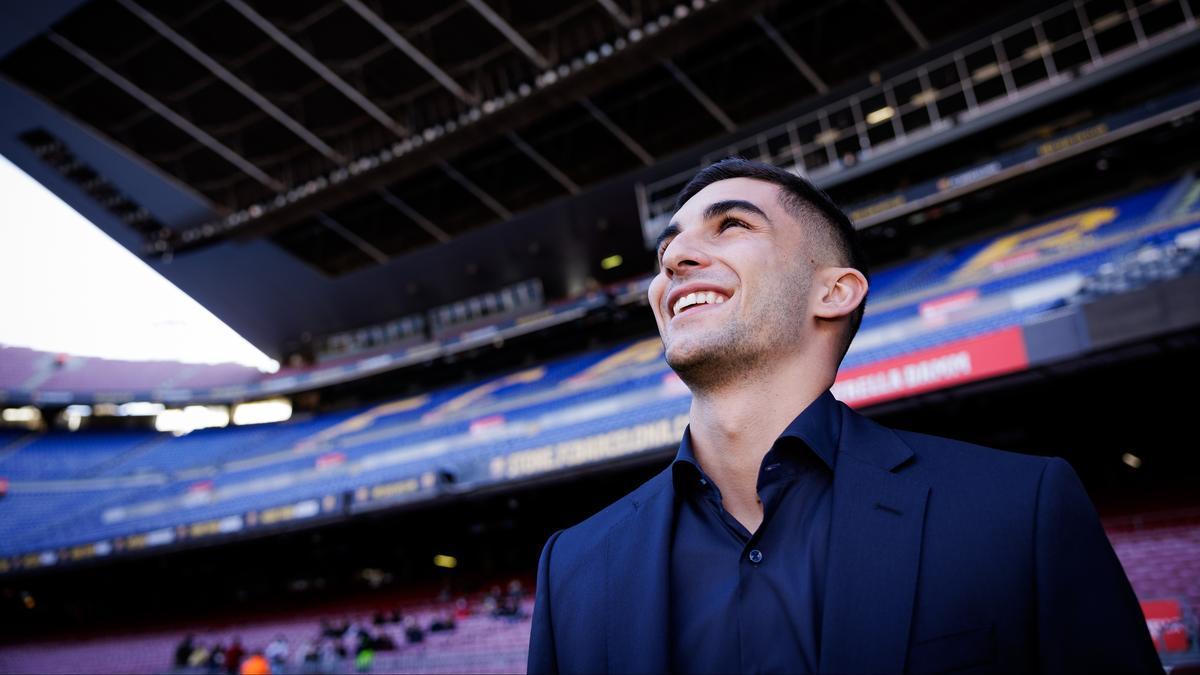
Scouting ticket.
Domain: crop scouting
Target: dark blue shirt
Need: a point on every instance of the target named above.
(752, 603)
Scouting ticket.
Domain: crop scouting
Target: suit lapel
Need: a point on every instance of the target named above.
(636, 583)
(874, 553)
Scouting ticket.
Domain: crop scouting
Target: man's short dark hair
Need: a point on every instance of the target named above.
(801, 198)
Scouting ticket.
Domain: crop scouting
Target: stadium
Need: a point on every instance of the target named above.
(440, 219)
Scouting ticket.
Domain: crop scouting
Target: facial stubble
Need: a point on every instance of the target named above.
(744, 344)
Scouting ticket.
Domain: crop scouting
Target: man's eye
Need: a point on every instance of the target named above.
(731, 222)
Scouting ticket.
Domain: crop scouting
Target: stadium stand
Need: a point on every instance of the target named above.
(479, 641)
(225, 475)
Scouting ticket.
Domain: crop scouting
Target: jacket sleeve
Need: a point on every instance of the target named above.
(542, 654)
(1088, 618)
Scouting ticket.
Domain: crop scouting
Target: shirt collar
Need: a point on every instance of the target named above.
(819, 427)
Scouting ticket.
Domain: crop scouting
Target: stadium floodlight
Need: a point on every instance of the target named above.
(182, 421)
(139, 409)
(262, 412)
(445, 561)
(1132, 460)
(611, 262)
(74, 414)
(882, 115)
(23, 414)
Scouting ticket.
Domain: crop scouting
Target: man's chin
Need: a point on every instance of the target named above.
(693, 360)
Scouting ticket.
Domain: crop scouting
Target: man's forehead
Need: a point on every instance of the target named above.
(763, 194)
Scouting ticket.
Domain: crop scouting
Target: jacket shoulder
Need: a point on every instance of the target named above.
(974, 473)
(579, 541)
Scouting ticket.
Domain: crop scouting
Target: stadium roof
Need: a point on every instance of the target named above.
(308, 167)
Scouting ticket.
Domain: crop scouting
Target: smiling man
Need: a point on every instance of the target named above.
(791, 534)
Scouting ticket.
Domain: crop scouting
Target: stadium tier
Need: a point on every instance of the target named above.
(946, 319)
(953, 294)
(1160, 558)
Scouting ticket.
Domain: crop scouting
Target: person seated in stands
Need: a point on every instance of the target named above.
(332, 630)
(233, 656)
(491, 602)
(444, 622)
(216, 658)
(516, 591)
(462, 609)
(183, 653)
(307, 657)
(364, 660)
(330, 656)
(412, 631)
(383, 643)
(199, 657)
(277, 651)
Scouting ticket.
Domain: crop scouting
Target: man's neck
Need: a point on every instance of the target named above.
(732, 428)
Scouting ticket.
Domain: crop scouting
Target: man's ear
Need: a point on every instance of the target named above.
(839, 291)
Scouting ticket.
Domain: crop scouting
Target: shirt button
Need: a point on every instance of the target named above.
(755, 556)
(703, 482)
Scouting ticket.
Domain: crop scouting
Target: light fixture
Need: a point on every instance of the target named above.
(262, 412)
(884, 114)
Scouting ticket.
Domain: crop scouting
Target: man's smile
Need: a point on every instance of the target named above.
(694, 298)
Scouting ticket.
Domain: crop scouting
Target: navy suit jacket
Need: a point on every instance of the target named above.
(943, 556)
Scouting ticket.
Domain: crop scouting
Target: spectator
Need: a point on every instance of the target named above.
(277, 651)
(330, 658)
(307, 657)
(257, 664)
(216, 658)
(412, 631)
(183, 653)
(383, 643)
(491, 602)
(462, 609)
(199, 657)
(364, 660)
(445, 622)
(233, 656)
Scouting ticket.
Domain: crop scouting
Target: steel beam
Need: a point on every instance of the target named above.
(233, 81)
(358, 242)
(423, 222)
(330, 77)
(626, 140)
(474, 189)
(171, 116)
(907, 22)
(410, 51)
(509, 32)
(555, 173)
(791, 55)
(702, 98)
(614, 10)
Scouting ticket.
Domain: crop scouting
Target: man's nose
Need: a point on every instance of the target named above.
(682, 254)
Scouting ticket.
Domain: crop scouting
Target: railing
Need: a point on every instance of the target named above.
(1039, 53)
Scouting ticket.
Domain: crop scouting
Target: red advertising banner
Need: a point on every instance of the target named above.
(939, 367)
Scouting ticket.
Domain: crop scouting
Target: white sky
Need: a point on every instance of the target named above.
(66, 286)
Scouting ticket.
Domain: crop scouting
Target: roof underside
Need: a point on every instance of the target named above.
(241, 102)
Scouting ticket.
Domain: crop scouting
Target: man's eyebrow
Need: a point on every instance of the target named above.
(668, 232)
(717, 209)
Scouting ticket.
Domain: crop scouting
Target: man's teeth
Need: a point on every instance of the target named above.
(701, 298)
